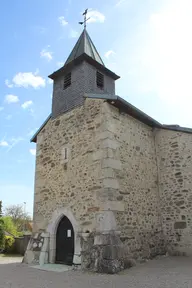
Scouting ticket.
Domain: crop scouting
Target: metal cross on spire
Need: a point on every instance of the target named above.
(85, 19)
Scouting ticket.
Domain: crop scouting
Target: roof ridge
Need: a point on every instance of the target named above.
(87, 35)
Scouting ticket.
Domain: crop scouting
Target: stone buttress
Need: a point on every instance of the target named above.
(103, 251)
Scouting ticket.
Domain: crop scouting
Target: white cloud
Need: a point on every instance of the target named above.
(160, 62)
(4, 143)
(32, 132)
(36, 71)
(109, 53)
(73, 34)
(32, 112)
(120, 2)
(8, 117)
(59, 64)
(62, 21)
(26, 104)
(168, 53)
(28, 79)
(20, 161)
(46, 54)
(95, 16)
(8, 84)
(39, 29)
(33, 151)
(1, 109)
(11, 98)
(50, 81)
(14, 141)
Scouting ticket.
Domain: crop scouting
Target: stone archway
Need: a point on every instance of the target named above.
(52, 229)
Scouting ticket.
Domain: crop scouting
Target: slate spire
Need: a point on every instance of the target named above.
(84, 45)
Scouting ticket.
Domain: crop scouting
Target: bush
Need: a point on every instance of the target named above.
(2, 237)
(9, 244)
(9, 226)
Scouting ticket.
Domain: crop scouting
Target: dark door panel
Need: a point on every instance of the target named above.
(65, 242)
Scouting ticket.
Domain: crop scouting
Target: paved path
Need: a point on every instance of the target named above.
(164, 273)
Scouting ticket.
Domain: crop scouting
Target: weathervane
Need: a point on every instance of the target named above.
(85, 19)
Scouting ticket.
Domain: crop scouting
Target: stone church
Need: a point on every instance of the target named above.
(111, 183)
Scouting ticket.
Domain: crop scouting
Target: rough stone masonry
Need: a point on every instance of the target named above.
(121, 178)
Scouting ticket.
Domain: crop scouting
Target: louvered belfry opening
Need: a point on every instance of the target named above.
(100, 80)
(67, 80)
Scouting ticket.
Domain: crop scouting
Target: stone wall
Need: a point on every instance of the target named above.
(70, 182)
(174, 151)
(111, 165)
(83, 183)
(120, 177)
(136, 185)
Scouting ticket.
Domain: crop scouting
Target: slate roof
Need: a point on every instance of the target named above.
(128, 108)
(84, 45)
(84, 50)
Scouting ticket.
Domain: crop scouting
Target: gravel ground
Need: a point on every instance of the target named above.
(7, 260)
(165, 272)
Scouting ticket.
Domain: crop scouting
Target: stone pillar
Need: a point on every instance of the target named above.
(52, 249)
(102, 249)
(77, 252)
(43, 258)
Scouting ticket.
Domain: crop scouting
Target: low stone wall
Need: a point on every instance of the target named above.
(21, 243)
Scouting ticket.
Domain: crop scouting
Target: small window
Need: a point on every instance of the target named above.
(67, 80)
(100, 80)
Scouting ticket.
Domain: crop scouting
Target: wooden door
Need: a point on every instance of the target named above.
(65, 242)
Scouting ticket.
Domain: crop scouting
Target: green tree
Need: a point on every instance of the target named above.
(9, 226)
(2, 236)
(19, 217)
(9, 244)
(1, 213)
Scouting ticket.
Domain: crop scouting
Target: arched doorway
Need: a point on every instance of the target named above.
(64, 242)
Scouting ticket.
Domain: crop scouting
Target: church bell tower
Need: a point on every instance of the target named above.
(83, 72)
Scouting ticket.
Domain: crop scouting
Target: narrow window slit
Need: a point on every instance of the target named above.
(65, 156)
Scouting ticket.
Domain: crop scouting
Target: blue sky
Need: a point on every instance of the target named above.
(147, 43)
